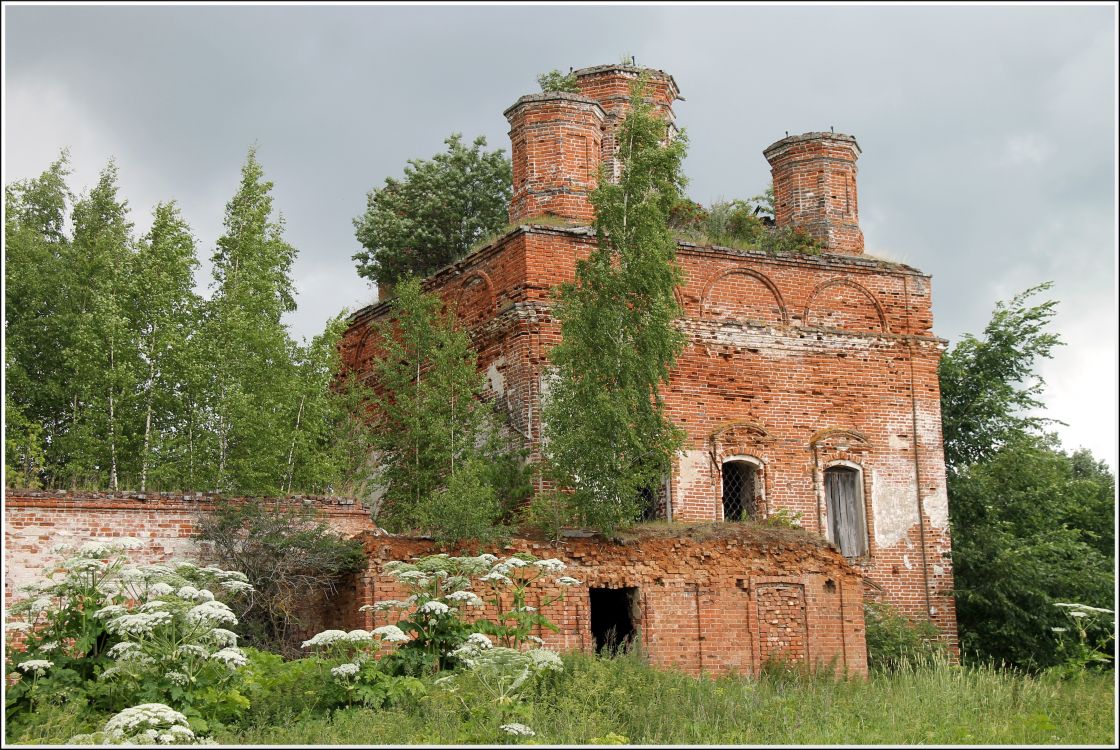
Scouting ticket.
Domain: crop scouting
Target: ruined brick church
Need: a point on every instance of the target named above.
(808, 388)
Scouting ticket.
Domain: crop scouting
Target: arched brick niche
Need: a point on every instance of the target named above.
(743, 295)
(845, 305)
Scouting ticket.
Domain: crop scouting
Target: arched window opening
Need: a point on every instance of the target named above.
(844, 503)
(739, 491)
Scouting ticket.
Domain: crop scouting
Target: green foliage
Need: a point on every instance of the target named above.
(253, 399)
(595, 698)
(744, 224)
(164, 313)
(989, 386)
(288, 554)
(117, 375)
(279, 689)
(555, 81)
(441, 591)
(430, 424)
(894, 643)
(607, 434)
(431, 217)
(1026, 534)
(1031, 525)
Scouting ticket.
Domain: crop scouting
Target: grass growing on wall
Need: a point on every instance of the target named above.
(600, 701)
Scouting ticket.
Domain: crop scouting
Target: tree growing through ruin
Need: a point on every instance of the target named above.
(607, 437)
(434, 438)
(432, 217)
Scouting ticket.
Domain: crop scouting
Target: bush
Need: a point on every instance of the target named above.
(894, 642)
(288, 555)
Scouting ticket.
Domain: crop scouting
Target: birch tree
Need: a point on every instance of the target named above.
(607, 438)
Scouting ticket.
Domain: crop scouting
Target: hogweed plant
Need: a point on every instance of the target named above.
(111, 633)
(146, 724)
(485, 677)
(1085, 643)
(355, 670)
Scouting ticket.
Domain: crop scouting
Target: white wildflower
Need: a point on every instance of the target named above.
(495, 577)
(122, 650)
(192, 649)
(17, 625)
(236, 586)
(415, 577)
(391, 634)
(41, 604)
(178, 678)
(434, 607)
(212, 612)
(487, 558)
(469, 598)
(49, 646)
(160, 589)
(345, 670)
(113, 610)
(187, 592)
(325, 638)
(223, 637)
(137, 721)
(479, 640)
(84, 565)
(358, 636)
(1079, 614)
(535, 639)
(384, 605)
(232, 657)
(229, 575)
(567, 581)
(38, 666)
(545, 660)
(143, 623)
(517, 730)
(551, 565)
(1060, 630)
(153, 606)
(526, 608)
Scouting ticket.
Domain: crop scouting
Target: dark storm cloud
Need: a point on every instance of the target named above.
(988, 133)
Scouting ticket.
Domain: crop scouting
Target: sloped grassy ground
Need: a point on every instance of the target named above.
(600, 701)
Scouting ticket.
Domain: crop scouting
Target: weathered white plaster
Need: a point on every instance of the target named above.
(496, 379)
(894, 508)
(897, 442)
(937, 508)
(693, 468)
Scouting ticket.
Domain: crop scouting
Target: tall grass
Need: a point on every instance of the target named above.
(935, 704)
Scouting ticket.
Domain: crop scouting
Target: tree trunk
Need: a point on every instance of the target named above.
(292, 448)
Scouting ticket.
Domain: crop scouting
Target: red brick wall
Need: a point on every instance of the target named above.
(728, 602)
(35, 522)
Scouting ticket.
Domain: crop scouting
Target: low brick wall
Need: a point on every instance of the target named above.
(35, 522)
(710, 599)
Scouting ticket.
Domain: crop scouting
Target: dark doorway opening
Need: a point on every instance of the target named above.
(614, 613)
(738, 491)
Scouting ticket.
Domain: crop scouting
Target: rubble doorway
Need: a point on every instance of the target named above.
(614, 619)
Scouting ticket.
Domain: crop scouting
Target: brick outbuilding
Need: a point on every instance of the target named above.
(809, 384)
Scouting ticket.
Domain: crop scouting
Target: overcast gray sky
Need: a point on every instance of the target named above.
(988, 133)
